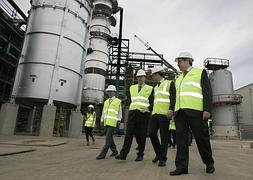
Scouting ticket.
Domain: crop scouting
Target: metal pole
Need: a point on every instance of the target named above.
(119, 51)
(165, 62)
(57, 58)
(18, 9)
(32, 119)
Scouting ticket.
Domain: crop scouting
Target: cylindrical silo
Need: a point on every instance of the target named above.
(223, 115)
(96, 62)
(51, 64)
(221, 82)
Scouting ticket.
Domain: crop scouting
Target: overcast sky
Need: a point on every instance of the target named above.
(205, 28)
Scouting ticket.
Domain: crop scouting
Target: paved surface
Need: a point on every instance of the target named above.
(75, 160)
(34, 142)
(6, 150)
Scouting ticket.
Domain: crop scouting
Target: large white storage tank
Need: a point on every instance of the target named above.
(223, 114)
(51, 63)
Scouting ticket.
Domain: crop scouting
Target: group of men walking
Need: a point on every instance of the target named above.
(187, 101)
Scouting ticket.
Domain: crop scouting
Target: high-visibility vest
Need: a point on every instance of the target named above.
(111, 111)
(90, 119)
(140, 99)
(172, 125)
(189, 91)
(162, 98)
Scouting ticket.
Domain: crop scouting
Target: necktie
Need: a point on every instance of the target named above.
(184, 73)
(158, 84)
(139, 88)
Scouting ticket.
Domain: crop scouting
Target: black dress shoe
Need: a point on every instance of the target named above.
(155, 159)
(120, 157)
(210, 169)
(178, 172)
(100, 157)
(162, 163)
(114, 154)
(139, 158)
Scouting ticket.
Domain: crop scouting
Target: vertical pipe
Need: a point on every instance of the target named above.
(119, 51)
(32, 119)
(17, 9)
(19, 66)
(80, 88)
(57, 59)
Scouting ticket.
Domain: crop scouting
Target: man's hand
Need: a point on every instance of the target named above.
(144, 110)
(206, 115)
(169, 114)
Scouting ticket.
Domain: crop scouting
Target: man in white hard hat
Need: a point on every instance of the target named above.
(89, 124)
(164, 102)
(193, 109)
(138, 117)
(111, 116)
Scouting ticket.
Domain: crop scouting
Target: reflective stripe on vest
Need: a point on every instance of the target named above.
(90, 122)
(188, 91)
(140, 100)
(162, 98)
(111, 111)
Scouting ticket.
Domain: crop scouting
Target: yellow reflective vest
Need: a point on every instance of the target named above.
(140, 99)
(90, 119)
(111, 111)
(172, 125)
(162, 98)
(189, 91)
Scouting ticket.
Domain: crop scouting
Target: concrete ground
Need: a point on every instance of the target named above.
(75, 160)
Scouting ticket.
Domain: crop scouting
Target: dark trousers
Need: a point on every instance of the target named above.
(88, 132)
(200, 131)
(172, 138)
(109, 141)
(137, 125)
(159, 122)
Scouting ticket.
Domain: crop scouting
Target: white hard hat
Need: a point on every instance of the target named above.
(111, 88)
(184, 55)
(157, 69)
(141, 73)
(91, 106)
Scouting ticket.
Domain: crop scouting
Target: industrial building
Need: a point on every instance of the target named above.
(67, 60)
(69, 56)
(11, 40)
(244, 112)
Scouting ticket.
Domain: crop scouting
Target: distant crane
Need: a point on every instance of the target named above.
(163, 60)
